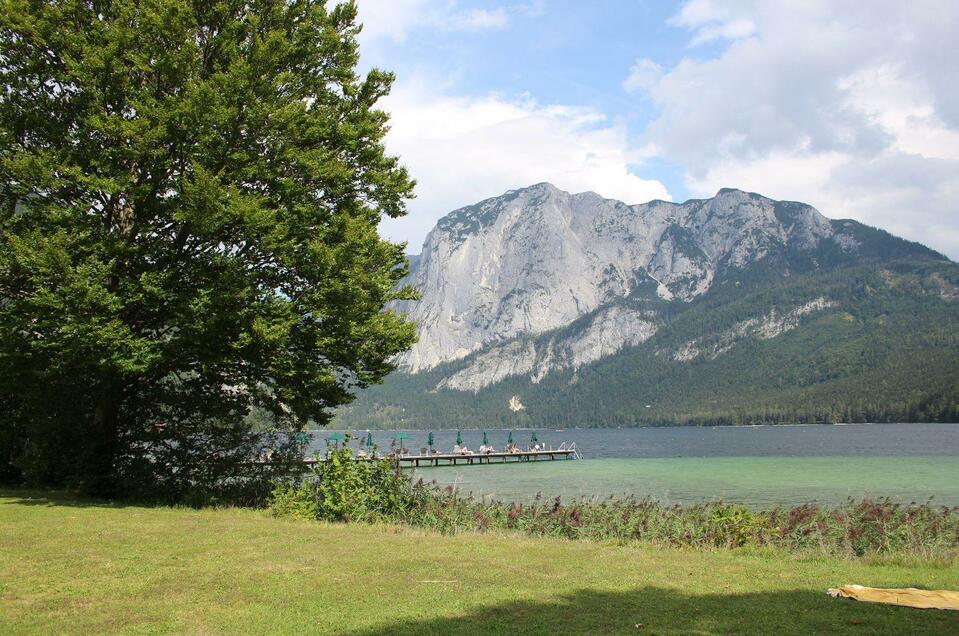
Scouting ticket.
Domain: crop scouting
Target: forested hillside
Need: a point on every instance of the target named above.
(877, 341)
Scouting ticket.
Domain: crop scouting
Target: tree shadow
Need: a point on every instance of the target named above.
(65, 498)
(652, 610)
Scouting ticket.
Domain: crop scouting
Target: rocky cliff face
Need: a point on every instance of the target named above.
(543, 308)
(603, 333)
(537, 259)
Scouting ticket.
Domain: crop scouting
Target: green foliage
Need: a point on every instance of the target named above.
(345, 489)
(189, 200)
(733, 525)
(886, 350)
(295, 501)
(342, 488)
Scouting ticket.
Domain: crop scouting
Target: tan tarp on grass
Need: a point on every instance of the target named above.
(908, 596)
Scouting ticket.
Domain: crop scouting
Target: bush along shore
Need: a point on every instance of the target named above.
(343, 489)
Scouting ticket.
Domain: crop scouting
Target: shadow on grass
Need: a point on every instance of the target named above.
(653, 610)
(30, 497)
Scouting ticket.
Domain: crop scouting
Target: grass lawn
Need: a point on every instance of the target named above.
(69, 566)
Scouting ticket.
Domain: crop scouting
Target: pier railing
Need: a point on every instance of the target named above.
(440, 458)
(454, 459)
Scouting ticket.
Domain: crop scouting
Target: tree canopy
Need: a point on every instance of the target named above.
(189, 200)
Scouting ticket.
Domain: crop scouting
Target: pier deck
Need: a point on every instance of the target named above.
(458, 459)
(454, 459)
(410, 460)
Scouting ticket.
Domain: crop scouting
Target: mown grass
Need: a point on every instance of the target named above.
(69, 566)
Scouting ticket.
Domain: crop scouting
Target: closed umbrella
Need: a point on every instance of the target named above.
(533, 439)
(369, 439)
(485, 439)
(459, 438)
(429, 440)
(509, 440)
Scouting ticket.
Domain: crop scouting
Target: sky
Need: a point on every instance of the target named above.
(852, 107)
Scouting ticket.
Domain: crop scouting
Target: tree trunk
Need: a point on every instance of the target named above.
(98, 468)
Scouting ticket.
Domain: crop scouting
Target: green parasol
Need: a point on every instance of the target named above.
(335, 438)
(509, 440)
(369, 439)
(429, 439)
(459, 438)
(485, 439)
(399, 437)
(533, 439)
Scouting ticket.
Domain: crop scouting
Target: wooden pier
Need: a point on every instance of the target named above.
(439, 458)
(454, 459)
(467, 459)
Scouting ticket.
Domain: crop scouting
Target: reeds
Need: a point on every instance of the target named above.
(343, 489)
(853, 529)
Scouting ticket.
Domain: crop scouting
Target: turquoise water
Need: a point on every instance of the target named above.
(817, 440)
(753, 481)
(757, 466)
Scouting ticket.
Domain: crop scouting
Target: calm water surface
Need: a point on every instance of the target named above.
(757, 466)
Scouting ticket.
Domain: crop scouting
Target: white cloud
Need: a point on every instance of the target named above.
(889, 97)
(394, 20)
(464, 149)
(478, 19)
(711, 20)
(852, 107)
(696, 13)
(389, 19)
(643, 75)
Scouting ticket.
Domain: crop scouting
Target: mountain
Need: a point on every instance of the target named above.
(540, 306)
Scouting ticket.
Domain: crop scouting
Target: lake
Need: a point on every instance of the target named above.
(757, 466)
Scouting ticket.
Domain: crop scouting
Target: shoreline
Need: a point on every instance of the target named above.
(622, 428)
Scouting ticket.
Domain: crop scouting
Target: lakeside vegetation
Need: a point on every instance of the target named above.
(69, 565)
(343, 489)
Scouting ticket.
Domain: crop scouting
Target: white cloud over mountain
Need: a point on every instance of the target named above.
(463, 149)
(852, 107)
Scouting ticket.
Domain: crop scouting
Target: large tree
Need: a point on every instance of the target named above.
(189, 200)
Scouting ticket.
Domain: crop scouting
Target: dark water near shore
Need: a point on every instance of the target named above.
(757, 466)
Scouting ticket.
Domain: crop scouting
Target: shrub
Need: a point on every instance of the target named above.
(733, 526)
(340, 488)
